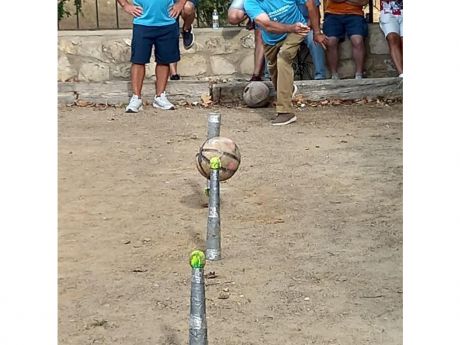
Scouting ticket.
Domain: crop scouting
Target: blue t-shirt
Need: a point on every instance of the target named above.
(154, 12)
(282, 11)
(304, 9)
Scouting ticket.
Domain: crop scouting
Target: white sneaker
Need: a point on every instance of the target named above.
(335, 76)
(358, 76)
(401, 75)
(162, 102)
(135, 104)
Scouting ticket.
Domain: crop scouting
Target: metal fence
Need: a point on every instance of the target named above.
(99, 15)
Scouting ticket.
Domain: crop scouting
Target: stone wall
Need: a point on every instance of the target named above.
(226, 53)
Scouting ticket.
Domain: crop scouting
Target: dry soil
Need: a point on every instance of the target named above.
(311, 227)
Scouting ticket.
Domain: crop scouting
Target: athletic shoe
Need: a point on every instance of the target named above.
(284, 119)
(188, 38)
(401, 75)
(358, 76)
(175, 77)
(135, 104)
(335, 76)
(162, 102)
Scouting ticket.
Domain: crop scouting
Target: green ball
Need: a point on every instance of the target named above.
(197, 259)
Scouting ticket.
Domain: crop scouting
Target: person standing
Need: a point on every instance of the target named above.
(391, 23)
(316, 50)
(154, 25)
(345, 17)
(283, 30)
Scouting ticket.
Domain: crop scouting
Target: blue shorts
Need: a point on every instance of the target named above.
(164, 38)
(337, 25)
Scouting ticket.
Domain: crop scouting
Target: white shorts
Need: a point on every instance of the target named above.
(391, 23)
(237, 4)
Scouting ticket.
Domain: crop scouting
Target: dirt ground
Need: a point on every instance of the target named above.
(311, 227)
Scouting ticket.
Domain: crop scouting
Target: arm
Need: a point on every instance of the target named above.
(279, 28)
(313, 15)
(135, 11)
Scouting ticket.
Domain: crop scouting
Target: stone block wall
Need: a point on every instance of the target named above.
(103, 55)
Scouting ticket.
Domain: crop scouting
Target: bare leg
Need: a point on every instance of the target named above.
(162, 74)
(188, 15)
(137, 78)
(173, 68)
(259, 57)
(395, 45)
(332, 54)
(359, 52)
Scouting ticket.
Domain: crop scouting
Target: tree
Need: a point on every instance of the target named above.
(63, 12)
(205, 8)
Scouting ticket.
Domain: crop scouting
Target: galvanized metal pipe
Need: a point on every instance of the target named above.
(213, 125)
(213, 131)
(213, 250)
(198, 330)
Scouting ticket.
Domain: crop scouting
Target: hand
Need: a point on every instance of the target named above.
(176, 9)
(300, 28)
(320, 38)
(135, 11)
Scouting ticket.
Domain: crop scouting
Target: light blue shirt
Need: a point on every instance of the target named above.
(154, 12)
(282, 11)
(304, 9)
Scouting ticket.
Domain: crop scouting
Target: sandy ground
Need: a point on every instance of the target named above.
(311, 227)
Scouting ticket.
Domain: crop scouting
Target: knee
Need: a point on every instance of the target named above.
(332, 43)
(357, 41)
(188, 9)
(287, 56)
(234, 17)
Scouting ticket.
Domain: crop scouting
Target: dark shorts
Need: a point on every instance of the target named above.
(165, 39)
(337, 25)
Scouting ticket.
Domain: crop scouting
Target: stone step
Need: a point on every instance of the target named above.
(317, 90)
(118, 92)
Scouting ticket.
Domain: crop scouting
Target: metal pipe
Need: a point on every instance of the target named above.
(213, 131)
(97, 15)
(213, 249)
(198, 330)
(116, 13)
(213, 125)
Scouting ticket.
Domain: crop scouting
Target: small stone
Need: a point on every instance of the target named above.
(223, 295)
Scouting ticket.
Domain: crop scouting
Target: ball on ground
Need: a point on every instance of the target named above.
(256, 94)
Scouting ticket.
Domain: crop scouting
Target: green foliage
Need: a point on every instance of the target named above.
(63, 12)
(205, 9)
